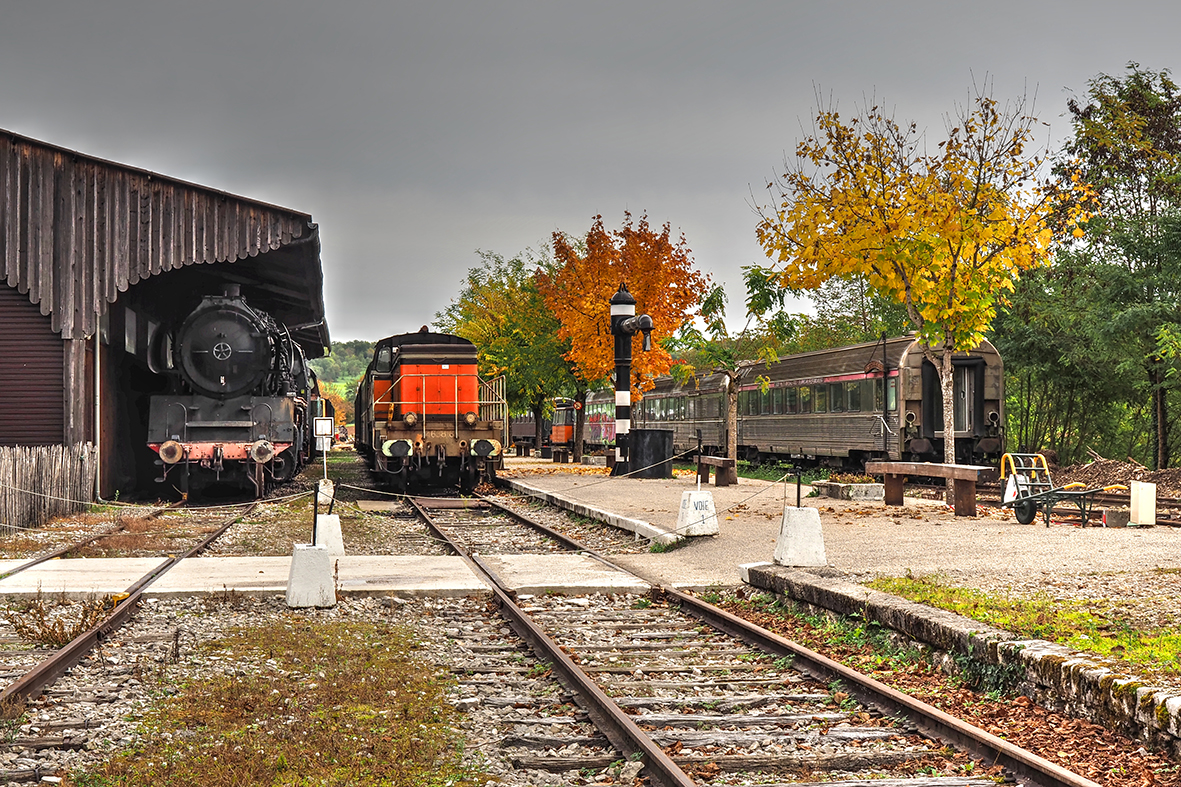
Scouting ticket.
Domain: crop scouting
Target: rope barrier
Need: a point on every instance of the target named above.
(119, 504)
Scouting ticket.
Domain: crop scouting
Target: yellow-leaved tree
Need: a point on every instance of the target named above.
(659, 273)
(945, 233)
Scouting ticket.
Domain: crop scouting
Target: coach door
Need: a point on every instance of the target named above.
(967, 396)
(964, 393)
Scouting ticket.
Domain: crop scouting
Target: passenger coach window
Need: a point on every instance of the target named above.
(836, 398)
(892, 395)
(791, 401)
(878, 398)
(777, 401)
(853, 396)
(805, 399)
(820, 399)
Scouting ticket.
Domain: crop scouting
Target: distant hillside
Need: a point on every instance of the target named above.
(345, 364)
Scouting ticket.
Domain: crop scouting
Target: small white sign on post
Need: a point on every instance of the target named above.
(322, 428)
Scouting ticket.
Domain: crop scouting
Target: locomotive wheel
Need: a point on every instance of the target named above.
(1025, 512)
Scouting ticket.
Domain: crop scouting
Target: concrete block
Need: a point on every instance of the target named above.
(1116, 517)
(1143, 503)
(328, 534)
(861, 492)
(744, 570)
(697, 516)
(801, 539)
(326, 491)
(310, 581)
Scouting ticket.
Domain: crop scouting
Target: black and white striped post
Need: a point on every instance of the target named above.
(624, 325)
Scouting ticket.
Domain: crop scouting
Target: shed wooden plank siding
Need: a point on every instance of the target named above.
(76, 231)
(31, 368)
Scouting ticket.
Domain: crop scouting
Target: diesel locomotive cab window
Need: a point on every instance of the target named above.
(382, 363)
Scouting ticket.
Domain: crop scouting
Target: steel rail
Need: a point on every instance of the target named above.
(929, 719)
(609, 718)
(68, 549)
(33, 682)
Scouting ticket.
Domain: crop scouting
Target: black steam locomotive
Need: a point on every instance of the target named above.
(242, 399)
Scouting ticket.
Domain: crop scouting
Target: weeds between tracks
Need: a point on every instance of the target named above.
(310, 702)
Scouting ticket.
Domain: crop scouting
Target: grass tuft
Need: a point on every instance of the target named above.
(56, 622)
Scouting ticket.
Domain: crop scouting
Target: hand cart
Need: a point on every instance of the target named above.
(1029, 488)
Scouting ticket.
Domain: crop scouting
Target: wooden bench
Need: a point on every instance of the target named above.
(965, 477)
(727, 470)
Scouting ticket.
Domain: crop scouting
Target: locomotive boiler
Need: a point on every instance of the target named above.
(241, 399)
(423, 415)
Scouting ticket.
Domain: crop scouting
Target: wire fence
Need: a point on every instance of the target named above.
(62, 475)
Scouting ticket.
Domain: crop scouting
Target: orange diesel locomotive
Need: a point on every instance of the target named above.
(423, 415)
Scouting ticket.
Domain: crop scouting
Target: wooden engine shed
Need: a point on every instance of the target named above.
(95, 257)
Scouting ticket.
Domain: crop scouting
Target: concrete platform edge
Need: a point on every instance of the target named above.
(1054, 676)
(637, 526)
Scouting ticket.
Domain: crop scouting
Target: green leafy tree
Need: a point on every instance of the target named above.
(1060, 391)
(718, 351)
(502, 312)
(1127, 146)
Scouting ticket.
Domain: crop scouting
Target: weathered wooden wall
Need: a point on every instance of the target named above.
(76, 231)
(40, 482)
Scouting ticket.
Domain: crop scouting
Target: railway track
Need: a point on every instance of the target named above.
(29, 673)
(683, 693)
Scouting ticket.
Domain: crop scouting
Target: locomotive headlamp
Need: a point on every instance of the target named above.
(486, 448)
(994, 417)
(172, 452)
(469, 418)
(410, 419)
(261, 451)
(396, 449)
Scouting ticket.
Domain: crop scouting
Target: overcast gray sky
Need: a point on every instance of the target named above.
(416, 133)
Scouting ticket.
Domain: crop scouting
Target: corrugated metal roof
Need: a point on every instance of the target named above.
(76, 230)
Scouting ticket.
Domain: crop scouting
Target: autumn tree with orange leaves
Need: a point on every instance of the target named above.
(659, 273)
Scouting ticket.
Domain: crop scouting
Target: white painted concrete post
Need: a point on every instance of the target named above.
(328, 534)
(801, 539)
(697, 516)
(310, 581)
